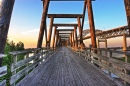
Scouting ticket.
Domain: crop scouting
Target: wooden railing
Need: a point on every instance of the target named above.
(3, 71)
(107, 60)
(32, 59)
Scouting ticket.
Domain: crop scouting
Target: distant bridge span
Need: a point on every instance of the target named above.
(116, 32)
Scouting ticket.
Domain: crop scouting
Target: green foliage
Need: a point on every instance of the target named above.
(10, 47)
(123, 59)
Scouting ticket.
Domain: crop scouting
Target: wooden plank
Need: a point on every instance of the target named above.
(3, 71)
(65, 15)
(24, 51)
(66, 68)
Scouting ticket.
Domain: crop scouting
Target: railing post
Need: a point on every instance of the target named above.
(14, 61)
(91, 57)
(109, 64)
(27, 55)
(99, 60)
(126, 71)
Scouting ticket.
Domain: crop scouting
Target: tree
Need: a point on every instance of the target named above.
(10, 47)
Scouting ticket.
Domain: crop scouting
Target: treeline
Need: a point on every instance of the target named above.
(10, 47)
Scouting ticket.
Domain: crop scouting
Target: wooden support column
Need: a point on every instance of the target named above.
(76, 40)
(98, 43)
(6, 9)
(56, 40)
(58, 43)
(43, 23)
(124, 43)
(73, 38)
(46, 34)
(106, 43)
(70, 40)
(54, 37)
(127, 8)
(84, 11)
(80, 30)
(91, 23)
(57, 37)
(50, 31)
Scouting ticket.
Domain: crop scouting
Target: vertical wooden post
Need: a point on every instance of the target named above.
(54, 37)
(110, 55)
(106, 43)
(46, 34)
(75, 32)
(55, 40)
(58, 43)
(5, 17)
(70, 40)
(127, 8)
(14, 61)
(84, 11)
(80, 30)
(98, 43)
(43, 23)
(106, 46)
(73, 39)
(50, 31)
(57, 37)
(91, 23)
(124, 43)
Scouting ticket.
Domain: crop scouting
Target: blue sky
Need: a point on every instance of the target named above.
(26, 17)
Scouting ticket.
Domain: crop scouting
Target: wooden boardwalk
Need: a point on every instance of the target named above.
(65, 68)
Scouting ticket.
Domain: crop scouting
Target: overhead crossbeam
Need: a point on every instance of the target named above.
(68, 0)
(65, 29)
(65, 15)
(64, 33)
(65, 25)
(64, 37)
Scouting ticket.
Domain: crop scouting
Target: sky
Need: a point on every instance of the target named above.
(26, 18)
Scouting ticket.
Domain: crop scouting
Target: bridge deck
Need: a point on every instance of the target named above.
(65, 68)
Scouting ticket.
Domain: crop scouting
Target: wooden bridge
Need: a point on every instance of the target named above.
(67, 62)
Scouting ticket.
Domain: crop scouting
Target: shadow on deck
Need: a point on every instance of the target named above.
(65, 68)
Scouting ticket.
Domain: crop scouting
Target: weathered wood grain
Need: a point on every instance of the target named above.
(3, 83)
(3, 71)
(65, 68)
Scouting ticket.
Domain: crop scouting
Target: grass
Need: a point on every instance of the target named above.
(123, 59)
